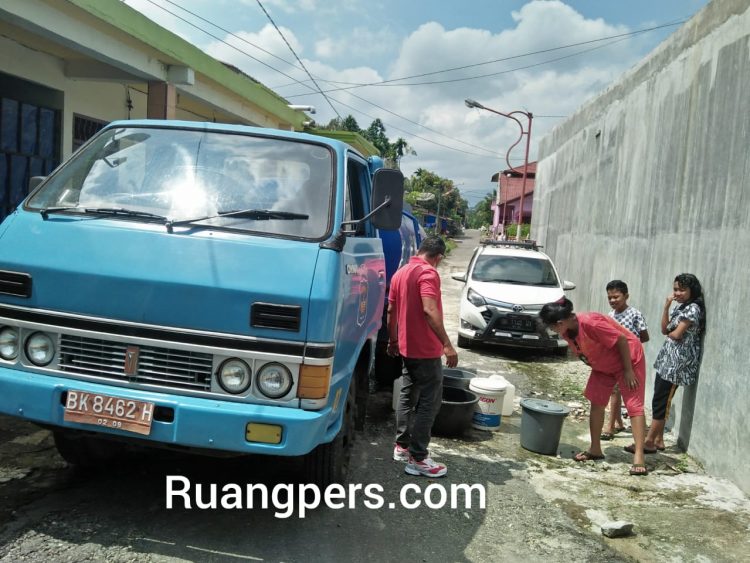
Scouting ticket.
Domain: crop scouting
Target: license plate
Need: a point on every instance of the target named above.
(109, 412)
(518, 323)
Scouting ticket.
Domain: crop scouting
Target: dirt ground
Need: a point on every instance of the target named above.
(538, 507)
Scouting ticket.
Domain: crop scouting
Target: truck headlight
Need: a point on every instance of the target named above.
(274, 380)
(234, 376)
(9, 343)
(475, 299)
(40, 349)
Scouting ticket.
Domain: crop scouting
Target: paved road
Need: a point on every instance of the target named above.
(536, 506)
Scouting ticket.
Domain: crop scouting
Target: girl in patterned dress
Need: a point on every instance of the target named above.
(680, 356)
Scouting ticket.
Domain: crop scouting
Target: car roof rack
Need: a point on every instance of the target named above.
(529, 244)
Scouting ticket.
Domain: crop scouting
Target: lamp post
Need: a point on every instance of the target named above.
(527, 132)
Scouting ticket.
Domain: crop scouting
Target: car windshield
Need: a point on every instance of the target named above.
(186, 175)
(514, 269)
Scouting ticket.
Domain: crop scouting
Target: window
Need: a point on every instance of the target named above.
(185, 174)
(514, 269)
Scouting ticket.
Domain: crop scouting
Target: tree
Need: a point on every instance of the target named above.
(481, 213)
(445, 194)
(392, 153)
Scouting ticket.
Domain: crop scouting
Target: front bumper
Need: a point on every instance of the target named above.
(186, 421)
(513, 339)
(495, 326)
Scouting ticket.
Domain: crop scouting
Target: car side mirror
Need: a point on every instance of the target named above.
(567, 286)
(34, 181)
(387, 199)
(459, 277)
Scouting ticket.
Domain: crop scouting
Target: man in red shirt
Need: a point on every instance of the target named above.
(615, 356)
(416, 332)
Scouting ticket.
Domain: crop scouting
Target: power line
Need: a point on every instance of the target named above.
(310, 87)
(319, 91)
(507, 71)
(273, 23)
(301, 83)
(351, 85)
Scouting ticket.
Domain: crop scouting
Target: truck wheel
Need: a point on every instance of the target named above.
(464, 342)
(329, 463)
(82, 451)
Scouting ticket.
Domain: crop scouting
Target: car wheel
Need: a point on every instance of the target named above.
(464, 342)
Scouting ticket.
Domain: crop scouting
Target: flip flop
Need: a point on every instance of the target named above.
(631, 449)
(607, 436)
(587, 456)
(661, 449)
(638, 469)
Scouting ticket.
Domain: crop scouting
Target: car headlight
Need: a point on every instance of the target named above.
(274, 380)
(475, 299)
(40, 349)
(234, 376)
(9, 343)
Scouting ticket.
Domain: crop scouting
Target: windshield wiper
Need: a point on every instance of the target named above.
(47, 210)
(515, 282)
(261, 214)
(117, 211)
(122, 212)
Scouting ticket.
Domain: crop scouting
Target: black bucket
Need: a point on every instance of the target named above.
(454, 377)
(456, 412)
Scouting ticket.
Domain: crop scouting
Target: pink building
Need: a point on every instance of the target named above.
(507, 205)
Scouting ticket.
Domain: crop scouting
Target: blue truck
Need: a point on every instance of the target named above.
(217, 288)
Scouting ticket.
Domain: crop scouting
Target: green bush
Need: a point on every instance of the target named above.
(510, 231)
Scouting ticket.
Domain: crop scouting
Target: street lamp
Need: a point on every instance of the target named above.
(527, 132)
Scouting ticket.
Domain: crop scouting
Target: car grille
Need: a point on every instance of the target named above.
(156, 366)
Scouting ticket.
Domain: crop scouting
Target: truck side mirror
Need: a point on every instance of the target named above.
(388, 192)
(34, 181)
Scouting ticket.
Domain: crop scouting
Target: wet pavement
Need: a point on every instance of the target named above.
(537, 506)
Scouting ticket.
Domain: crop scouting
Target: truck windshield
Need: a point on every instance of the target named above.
(194, 177)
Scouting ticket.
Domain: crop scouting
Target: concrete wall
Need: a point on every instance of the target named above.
(651, 179)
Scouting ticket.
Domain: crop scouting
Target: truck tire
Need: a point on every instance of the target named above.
(464, 342)
(329, 463)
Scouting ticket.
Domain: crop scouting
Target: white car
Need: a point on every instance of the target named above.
(506, 285)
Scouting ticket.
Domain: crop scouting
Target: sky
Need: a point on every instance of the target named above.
(413, 63)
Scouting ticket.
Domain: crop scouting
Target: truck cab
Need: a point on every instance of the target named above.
(207, 286)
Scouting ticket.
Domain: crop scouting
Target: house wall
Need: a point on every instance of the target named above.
(651, 179)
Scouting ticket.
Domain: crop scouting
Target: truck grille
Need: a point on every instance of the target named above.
(156, 366)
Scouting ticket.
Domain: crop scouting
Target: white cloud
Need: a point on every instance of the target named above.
(555, 88)
(357, 44)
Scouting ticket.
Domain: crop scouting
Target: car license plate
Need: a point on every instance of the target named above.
(109, 412)
(518, 323)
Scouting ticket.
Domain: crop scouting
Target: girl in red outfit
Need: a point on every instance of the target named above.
(615, 356)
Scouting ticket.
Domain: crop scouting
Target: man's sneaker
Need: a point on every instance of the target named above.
(426, 467)
(400, 454)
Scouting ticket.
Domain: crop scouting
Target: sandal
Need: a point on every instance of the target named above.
(631, 449)
(587, 456)
(638, 469)
(607, 436)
